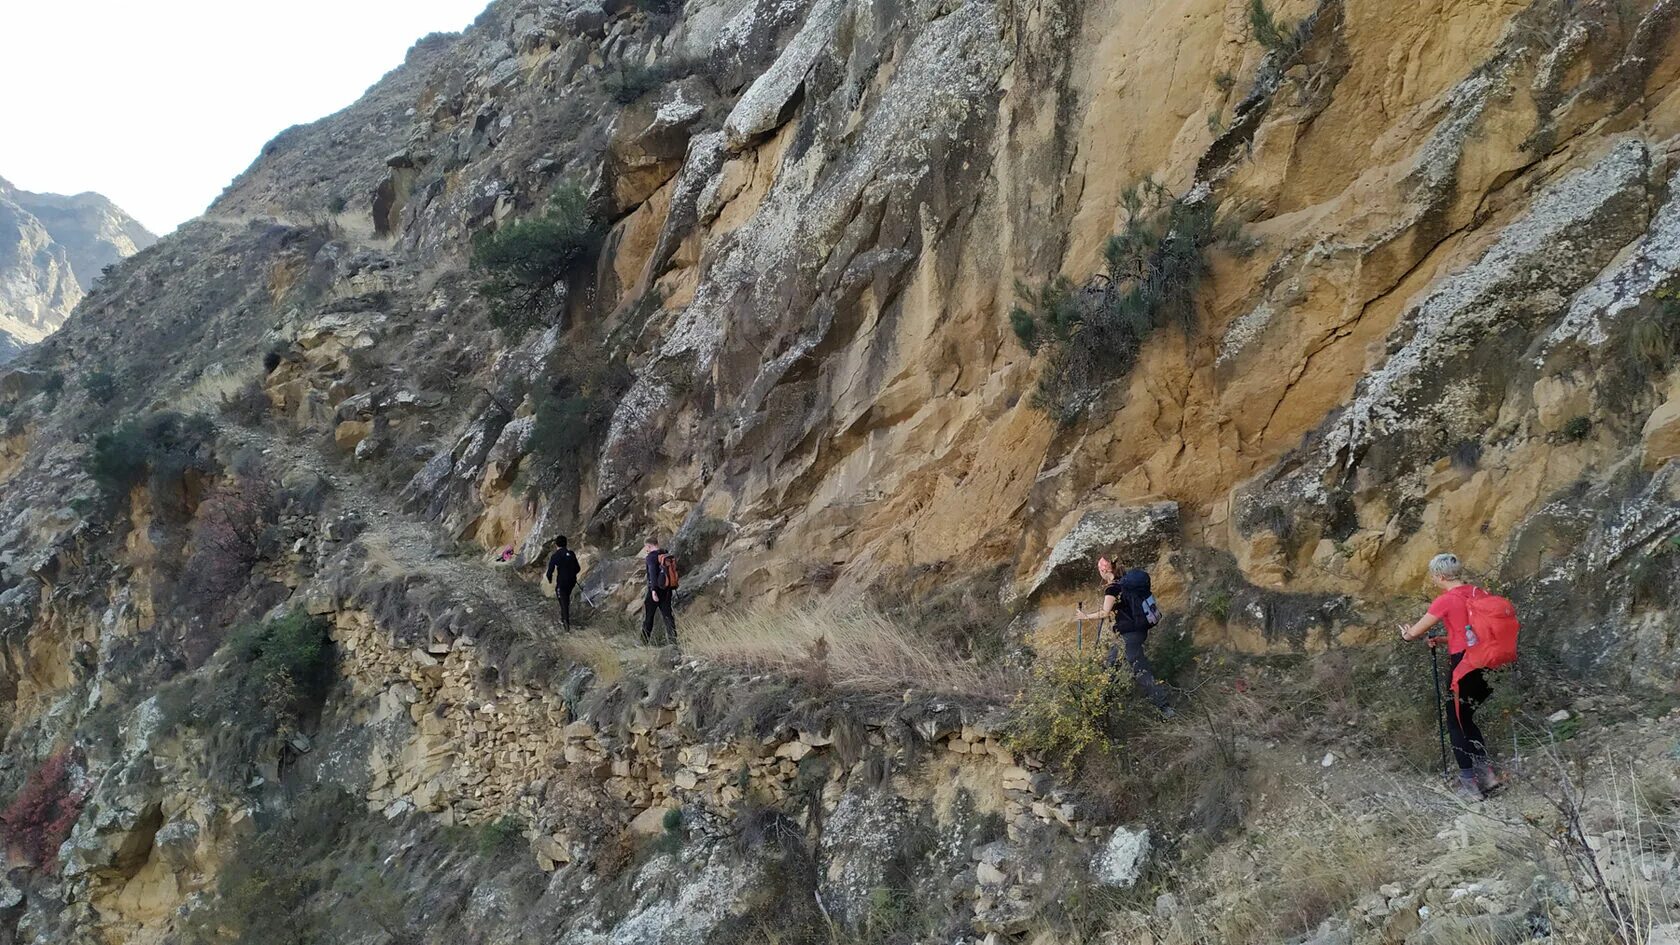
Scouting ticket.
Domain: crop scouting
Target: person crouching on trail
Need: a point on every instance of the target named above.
(1452, 607)
(1128, 601)
(659, 592)
(563, 569)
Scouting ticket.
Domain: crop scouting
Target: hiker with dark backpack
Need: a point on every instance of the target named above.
(563, 570)
(1481, 634)
(661, 587)
(1130, 603)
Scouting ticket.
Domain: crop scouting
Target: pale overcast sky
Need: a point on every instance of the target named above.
(158, 104)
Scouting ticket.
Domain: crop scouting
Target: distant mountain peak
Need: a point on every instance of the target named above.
(52, 248)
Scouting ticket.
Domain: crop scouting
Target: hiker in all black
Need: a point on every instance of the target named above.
(658, 596)
(563, 570)
(1128, 601)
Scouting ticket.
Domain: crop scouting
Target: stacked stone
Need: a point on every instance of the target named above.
(471, 756)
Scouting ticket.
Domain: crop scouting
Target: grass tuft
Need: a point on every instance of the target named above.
(848, 646)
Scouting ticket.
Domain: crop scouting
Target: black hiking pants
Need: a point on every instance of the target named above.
(1468, 746)
(1142, 673)
(663, 606)
(563, 594)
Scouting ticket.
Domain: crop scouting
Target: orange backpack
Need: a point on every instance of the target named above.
(668, 571)
(1493, 628)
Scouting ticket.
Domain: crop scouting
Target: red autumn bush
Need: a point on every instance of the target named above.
(228, 536)
(39, 819)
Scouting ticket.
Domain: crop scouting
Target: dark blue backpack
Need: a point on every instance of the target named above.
(1140, 600)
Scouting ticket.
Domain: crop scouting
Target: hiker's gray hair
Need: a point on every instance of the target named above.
(1446, 567)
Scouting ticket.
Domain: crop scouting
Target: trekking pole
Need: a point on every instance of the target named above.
(1440, 712)
(1081, 622)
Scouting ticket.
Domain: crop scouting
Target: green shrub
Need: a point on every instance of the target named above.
(261, 895)
(53, 385)
(1219, 604)
(1577, 429)
(1094, 333)
(572, 416)
(566, 424)
(1063, 711)
(336, 203)
(1175, 654)
(525, 262)
(1049, 313)
(119, 459)
(101, 386)
(286, 659)
(893, 915)
(630, 81)
(265, 889)
(672, 835)
(499, 836)
(1268, 32)
(166, 444)
(266, 679)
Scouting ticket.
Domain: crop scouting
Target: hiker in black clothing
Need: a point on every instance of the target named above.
(563, 570)
(1128, 601)
(658, 596)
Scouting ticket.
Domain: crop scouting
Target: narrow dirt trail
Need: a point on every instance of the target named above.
(412, 545)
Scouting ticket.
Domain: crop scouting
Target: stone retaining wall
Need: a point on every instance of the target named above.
(471, 756)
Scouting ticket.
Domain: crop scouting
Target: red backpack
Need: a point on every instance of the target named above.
(1493, 627)
(668, 572)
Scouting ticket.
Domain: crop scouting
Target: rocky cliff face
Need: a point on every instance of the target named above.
(926, 300)
(54, 247)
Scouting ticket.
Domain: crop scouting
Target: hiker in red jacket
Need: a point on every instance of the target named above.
(1451, 607)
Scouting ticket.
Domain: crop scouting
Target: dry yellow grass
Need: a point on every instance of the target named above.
(593, 649)
(851, 646)
(213, 387)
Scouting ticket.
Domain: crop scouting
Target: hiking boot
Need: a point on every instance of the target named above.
(1486, 779)
(1467, 789)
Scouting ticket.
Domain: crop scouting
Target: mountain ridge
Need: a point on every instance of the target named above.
(52, 249)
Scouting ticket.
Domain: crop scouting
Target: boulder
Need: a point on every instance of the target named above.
(761, 106)
(650, 140)
(793, 751)
(1661, 436)
(1121, 861)
(550, 850)
(1129, 534)
(649, 823)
